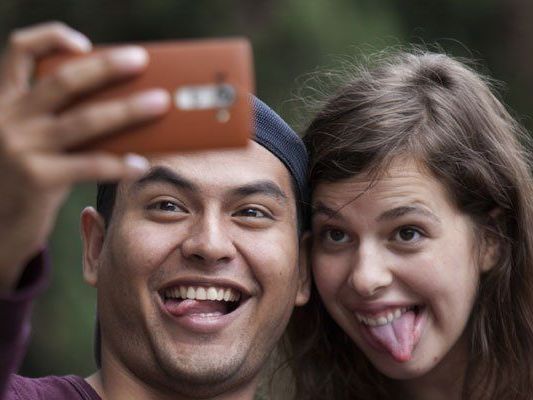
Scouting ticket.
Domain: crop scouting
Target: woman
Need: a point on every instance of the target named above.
(421, 256)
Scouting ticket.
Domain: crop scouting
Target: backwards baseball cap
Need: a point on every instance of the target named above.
(275, 135)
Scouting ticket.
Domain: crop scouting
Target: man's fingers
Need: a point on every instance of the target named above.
(77, 126)
(26, 44)
(40, 39)
(53, 171)
(76, 77)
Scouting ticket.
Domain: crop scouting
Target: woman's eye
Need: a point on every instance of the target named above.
(336, 236)
(408, 234)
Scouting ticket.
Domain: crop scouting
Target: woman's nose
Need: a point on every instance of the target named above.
(370, 273)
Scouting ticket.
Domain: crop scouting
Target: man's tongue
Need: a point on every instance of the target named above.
(397, 337)
(181, 308)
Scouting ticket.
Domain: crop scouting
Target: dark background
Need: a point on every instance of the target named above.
(290, 39)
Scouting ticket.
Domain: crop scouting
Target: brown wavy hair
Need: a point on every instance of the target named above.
(443, 113)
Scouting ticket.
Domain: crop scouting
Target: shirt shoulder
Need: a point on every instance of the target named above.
(68, 387)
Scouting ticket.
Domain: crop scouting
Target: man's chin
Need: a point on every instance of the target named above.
(194, 363)
(203, 379)
(202, 373)
(204, 369)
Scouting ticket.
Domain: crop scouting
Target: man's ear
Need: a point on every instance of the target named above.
(492, 244)
(92, 230)
(304, 267)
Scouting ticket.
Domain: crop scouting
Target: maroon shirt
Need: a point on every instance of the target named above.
(50, 387)
(15, 311)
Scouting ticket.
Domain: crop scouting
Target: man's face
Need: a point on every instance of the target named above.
(218, 229)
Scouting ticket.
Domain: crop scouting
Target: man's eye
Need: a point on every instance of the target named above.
(408, 234)
(166, 205)
(251, 213)
(336, 236)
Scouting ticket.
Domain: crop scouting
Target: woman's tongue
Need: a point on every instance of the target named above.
(186, 307)
(397, 337)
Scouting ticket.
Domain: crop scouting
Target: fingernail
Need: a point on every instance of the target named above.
(83, 43)
(137, 163)
(129, 57)
(154, 101)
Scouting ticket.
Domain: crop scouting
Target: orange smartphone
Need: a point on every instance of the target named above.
(210, 82)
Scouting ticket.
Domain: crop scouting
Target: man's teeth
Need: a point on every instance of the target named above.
(202, 293)
(383, 319)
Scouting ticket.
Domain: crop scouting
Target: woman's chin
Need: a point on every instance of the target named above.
(411, 369)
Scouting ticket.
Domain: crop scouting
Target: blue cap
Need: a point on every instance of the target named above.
(276, 136)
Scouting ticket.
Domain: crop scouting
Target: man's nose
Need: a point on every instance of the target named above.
(208, 241)
(371, 273)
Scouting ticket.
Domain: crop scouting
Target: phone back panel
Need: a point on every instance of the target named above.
(210, 82)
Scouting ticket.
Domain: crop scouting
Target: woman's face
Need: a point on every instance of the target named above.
(397, 267)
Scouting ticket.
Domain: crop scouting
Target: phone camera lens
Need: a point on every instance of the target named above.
(226, 94)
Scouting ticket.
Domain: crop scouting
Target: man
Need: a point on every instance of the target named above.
(194, 256)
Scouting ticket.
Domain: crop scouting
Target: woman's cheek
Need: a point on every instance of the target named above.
(326, 274)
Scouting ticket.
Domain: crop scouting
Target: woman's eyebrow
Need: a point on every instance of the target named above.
(321, 208)
(398, 212)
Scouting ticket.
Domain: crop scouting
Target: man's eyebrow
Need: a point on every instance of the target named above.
(265, 187)
(406, 210)
(164, 175)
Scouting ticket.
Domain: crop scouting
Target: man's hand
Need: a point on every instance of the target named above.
(36, 172)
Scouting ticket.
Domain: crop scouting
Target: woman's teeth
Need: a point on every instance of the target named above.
(202, 293)
(383, 319)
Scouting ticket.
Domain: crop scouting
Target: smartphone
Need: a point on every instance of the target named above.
(210, 82)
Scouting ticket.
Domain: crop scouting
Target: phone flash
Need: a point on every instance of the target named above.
(203, 97)
(223, 116)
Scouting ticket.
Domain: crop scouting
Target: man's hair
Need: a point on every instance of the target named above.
(435, 110)
(105, 200)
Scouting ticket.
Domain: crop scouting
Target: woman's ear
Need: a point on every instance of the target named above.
(93, 231)
(491, 249)
(304, 266)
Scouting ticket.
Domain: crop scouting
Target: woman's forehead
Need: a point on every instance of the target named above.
(402, 181)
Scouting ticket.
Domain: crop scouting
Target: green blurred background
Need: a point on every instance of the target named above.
(290, 38)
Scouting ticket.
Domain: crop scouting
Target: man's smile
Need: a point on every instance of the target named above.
(203, 307)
